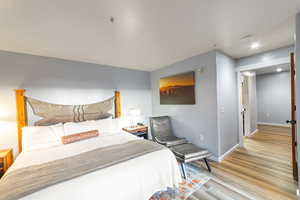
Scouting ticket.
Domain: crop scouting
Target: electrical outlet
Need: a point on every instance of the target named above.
(201, 70)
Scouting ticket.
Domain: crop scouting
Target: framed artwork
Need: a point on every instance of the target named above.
(177, 89)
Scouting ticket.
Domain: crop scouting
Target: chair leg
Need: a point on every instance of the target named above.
(207, 164)
(183, 170)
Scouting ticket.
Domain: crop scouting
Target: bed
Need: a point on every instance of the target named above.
(115, 166)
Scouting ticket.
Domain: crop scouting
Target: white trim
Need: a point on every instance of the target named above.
(218, 111)
(251, 134)
(214, 158)
(221, 158)
(278, 61)
(297, 193)
(240, 120)
(273, 124)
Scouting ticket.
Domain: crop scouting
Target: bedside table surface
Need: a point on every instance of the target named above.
(139, 131)
(135, 129)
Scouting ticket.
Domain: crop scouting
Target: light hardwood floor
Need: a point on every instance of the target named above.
(262, 169)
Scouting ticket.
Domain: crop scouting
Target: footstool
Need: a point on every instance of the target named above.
(188, 152)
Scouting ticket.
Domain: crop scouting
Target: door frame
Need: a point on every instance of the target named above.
(294, 116)
(240, 70)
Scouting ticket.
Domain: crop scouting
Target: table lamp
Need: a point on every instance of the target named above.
(134, 114)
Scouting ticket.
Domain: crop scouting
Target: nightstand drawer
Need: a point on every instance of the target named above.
(6, 159)
(141, 134)
(1, 167)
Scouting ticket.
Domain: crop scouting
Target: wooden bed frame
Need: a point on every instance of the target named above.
(22, 112)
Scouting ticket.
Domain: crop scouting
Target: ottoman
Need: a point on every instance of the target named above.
(188, 152)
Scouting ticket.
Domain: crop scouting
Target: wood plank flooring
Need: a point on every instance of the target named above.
(262, 169)
(214, 190)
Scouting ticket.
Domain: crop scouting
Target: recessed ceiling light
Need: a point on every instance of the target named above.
(279, 69)
(255, 45)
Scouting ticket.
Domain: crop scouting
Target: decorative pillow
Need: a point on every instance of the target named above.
(55, 113)
(37, 137)
(79, 136)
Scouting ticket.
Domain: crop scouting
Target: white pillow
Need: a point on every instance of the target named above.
(78, 127)
(58, 130)
(105, 126)
(37, 137)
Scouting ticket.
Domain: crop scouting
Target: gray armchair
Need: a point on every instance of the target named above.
(162, 133)
(185, 152)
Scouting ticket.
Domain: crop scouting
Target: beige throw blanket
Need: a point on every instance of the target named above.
(21, 182)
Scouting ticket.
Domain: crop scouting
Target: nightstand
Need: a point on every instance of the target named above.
(6, 160)
(140, 131)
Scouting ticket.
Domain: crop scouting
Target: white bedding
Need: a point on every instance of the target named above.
(136, 179)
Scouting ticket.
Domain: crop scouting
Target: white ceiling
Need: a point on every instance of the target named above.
(272, 69)
(146, 34)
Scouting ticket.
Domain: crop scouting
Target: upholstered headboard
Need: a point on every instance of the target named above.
(55, 113)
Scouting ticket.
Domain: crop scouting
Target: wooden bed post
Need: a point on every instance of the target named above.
(21, 114)
(117, 104)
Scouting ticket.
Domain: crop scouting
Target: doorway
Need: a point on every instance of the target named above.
(249, 111)
(267, 103)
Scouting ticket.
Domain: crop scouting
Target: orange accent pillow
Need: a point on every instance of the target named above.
(79, 136)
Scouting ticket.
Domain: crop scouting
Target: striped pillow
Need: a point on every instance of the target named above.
(79, 136)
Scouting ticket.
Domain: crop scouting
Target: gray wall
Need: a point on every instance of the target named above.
(212, 122)
(298, 85)
(227, 102)
(65, 82)
(266, 56)
(274, 97)
(192, 121)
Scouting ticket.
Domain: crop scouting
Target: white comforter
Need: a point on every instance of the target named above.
(136, 179)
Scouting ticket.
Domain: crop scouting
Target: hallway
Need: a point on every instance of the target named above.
(262, 168)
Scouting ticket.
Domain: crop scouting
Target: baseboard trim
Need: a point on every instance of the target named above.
(214, 158)
(254, 132)
(222, 157)
(273, 124)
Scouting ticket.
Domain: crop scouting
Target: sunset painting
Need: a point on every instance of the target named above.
(178, 89)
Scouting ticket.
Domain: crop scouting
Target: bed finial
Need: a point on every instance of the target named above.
(117, 104)
(21, 114)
